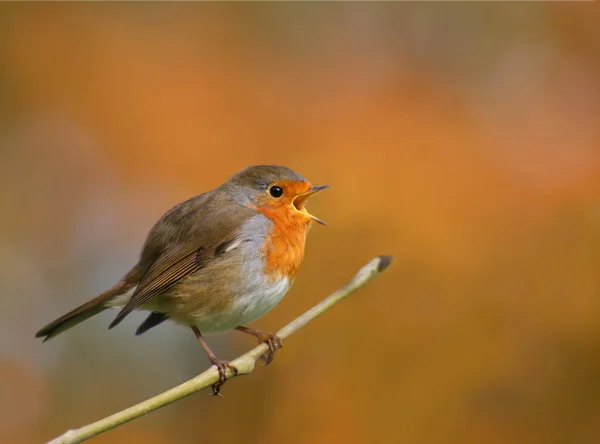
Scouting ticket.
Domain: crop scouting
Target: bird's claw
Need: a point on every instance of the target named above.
(222, 367)
(274, 342)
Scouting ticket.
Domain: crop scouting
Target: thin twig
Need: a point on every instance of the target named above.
(244, 364)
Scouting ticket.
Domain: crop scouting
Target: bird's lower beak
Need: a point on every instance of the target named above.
(301, 199)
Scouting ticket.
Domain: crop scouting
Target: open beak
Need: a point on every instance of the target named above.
(300, 201)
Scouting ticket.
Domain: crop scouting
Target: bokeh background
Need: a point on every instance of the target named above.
(462, 139)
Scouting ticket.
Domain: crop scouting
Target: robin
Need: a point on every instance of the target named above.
(215, 262)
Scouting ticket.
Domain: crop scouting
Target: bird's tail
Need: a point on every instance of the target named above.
(89, 309)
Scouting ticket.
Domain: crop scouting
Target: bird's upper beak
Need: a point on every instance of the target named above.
(300, 201)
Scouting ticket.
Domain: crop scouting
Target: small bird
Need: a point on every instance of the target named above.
(215, 262)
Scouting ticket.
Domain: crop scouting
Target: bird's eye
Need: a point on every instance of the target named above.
(276, 191)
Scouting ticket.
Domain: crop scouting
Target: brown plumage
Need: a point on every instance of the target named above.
(215, 261)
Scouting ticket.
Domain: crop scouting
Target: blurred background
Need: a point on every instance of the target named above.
(462, 139)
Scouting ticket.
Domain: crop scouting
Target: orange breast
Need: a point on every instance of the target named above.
(284, 246)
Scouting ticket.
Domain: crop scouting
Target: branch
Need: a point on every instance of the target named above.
(244, 364)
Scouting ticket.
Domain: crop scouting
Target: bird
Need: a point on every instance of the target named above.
(215, 262)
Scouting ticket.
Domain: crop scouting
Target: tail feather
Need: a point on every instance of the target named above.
(71, 319)
(89, 309)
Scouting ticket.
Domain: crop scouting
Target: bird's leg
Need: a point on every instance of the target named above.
(221, 365)
(273, 341)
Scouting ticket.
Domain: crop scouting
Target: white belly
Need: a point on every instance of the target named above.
(247, 308)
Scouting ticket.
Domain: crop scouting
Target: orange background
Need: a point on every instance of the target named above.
(462, 139)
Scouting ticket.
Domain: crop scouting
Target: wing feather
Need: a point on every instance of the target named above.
(206, 239)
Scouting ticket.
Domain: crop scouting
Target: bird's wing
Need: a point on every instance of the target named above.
(197, 244)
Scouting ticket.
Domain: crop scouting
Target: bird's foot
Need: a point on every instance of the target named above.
(274, 342)
(222, 367)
